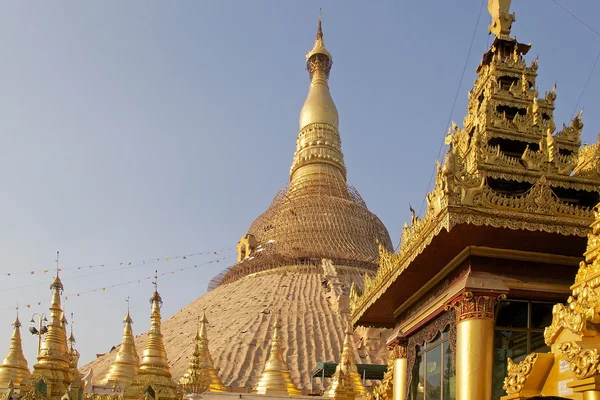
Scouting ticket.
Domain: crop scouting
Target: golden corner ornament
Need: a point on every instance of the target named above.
(505, 225)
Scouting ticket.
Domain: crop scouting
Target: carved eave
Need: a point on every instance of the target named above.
(539, 210)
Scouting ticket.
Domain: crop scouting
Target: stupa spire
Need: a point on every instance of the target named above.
(154, 374)
(14, 367)
(201, 374)
(275, 378)
(318, 160)
(346, 373)
(125, 366)
(155, 356)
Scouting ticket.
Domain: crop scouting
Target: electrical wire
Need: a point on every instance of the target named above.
(462, 75)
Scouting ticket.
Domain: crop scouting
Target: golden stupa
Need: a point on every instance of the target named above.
(153, 379)
(14, 367)
(275, 378)
(202, 368)
(53, 373)
(346, 376)
(298, 260)
(125, 366)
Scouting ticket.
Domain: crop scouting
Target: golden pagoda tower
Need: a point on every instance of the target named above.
(154, 376)
(52, 374)
(346, 369)
(317, 229)
(14, 368)
(201, 364)
(125, 366)
(275, 378)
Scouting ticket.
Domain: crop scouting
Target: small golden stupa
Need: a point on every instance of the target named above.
(14, 367)
(275, 378)
(125, 366)
(346, 372)
(202, 368)
(52, 374)
(153, 380)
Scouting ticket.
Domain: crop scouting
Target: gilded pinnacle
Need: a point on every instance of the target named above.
(54, 359)
(14, 367)
(346, 373)
(154, 369)
(201, 374)
(275, 378)
(125, 366)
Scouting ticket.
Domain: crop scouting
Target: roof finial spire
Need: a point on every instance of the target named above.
(502, 19)
(320, 28)
(155, 283)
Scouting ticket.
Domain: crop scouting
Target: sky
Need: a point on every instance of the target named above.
(140, 130)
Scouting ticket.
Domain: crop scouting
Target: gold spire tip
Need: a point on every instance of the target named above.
(320, 27)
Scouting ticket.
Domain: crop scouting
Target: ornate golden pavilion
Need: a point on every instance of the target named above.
(474, 281)
(468, 301)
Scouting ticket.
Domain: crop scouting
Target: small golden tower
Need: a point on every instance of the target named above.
(125, 366)
(52, 372)
(74, 363)
(275, 378)
(201, 366)
(153, 379)
(196, 379)
(346, 369)
(14, 367)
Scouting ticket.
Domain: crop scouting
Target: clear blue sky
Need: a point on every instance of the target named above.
(135, 130)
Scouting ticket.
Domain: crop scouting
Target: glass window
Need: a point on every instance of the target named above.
(519, 331)
(434, 373)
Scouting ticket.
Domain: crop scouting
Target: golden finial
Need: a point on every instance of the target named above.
(346, 372)
(320, 28)
(275, 378)
(14, 367)
(501, 18)
(125, 366)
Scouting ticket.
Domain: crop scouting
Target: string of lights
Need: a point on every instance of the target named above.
(462, 75)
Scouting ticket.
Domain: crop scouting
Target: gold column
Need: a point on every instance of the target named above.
(400, 371)
(474, 345)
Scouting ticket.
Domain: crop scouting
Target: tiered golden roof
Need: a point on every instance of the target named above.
(125, 366)
(201, 371)
(346, 379)
(14, 367)
(154, 375)
(507, 167)
(53, 372)
(318, 215)
(275, 378)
